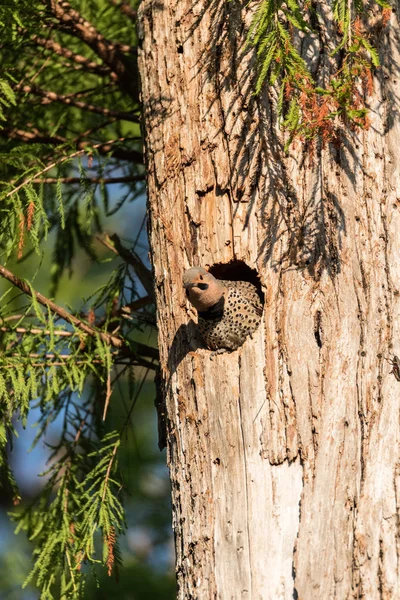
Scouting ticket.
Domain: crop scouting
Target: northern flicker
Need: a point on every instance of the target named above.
(228, 311)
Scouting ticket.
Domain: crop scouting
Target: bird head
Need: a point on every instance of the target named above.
(202, 289)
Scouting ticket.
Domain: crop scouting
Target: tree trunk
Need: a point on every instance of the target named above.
(284, 455)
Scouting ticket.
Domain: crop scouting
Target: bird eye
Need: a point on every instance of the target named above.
(201, 277)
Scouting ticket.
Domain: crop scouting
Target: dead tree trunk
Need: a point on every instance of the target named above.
(284, 455)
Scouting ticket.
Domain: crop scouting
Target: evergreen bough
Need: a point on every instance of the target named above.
(312, 105)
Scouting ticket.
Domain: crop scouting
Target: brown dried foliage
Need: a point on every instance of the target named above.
(110, 539)
(29, 215)
(386, 14)
(21, 240)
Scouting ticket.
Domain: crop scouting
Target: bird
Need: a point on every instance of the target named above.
(228, 311)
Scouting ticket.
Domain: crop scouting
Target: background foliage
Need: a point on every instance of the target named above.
(76, 314)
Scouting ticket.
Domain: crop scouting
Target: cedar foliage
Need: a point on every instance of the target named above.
(312, 105)
(69, 128)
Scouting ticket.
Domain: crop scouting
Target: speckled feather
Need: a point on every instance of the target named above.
(235, 317)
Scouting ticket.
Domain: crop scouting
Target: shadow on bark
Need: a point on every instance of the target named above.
(310, 230)
(187, 339)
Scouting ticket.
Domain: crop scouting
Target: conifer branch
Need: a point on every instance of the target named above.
(37, 331)
(71, 21)
(94, 180)
(114, 243)
(108, 395)
(117, 152)
(32, 137)
(62, 359)
(86, 134)
(71, 570)
(48, 97)
(49, 361)
(82, 424)
(66, 359)
(109, 339)
(60, 161)
(307, 110)
(85, 63)
(125, 9)
(108, 472)
(105, 148)
(128, 309)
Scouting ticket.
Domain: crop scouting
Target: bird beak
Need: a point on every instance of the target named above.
(188, 285)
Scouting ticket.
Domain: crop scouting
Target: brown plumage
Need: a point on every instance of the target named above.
(228, 311)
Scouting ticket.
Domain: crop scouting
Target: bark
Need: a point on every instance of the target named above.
(284, 455)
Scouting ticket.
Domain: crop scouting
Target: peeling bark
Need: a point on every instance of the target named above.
(284, 455)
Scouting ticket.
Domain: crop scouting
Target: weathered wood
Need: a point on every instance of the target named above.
(284, 455)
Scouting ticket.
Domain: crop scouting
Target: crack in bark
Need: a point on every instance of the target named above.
(248, 517)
